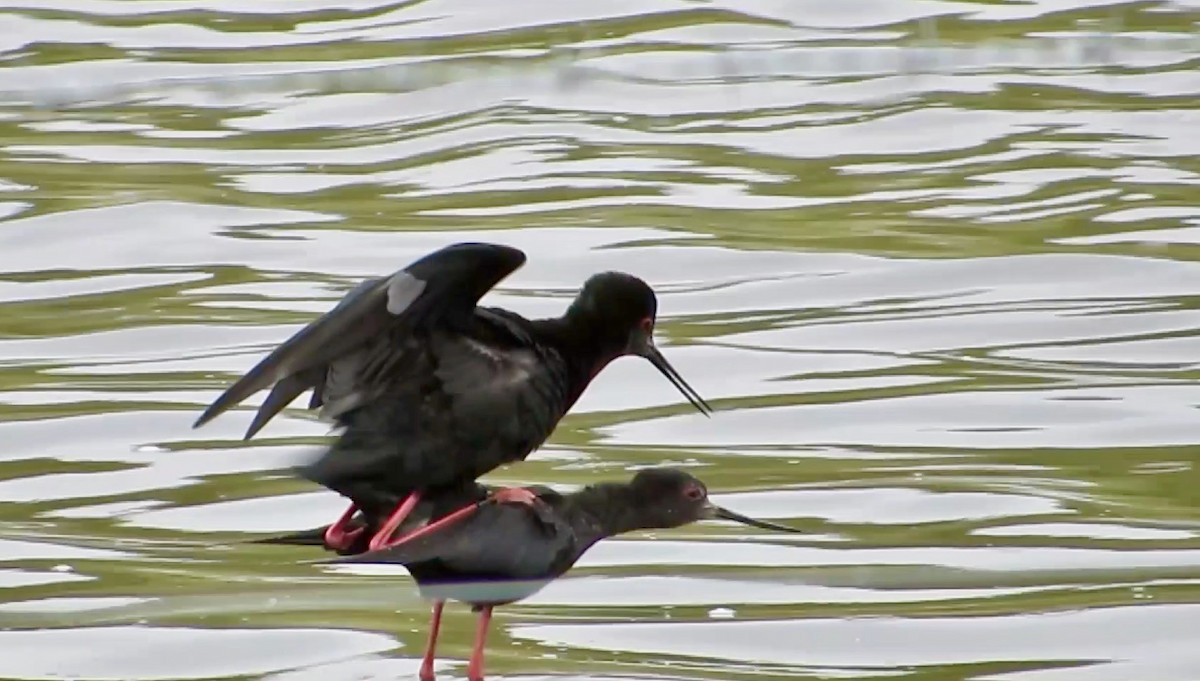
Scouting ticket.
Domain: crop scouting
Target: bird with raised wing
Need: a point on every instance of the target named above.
(433, 390)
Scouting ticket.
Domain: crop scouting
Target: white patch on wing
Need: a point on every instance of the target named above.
(402, 289)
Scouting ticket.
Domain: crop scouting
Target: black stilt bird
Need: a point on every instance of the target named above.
(433, 390)
(493, 552)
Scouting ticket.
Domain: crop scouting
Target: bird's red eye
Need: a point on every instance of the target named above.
(647, 325)
(693, 492)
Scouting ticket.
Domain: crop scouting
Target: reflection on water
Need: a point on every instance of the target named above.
(929, 260)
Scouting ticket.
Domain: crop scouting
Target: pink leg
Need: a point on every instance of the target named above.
(475, 669)
(384, 535)
(435, 623)
(384, 538)
(434, 526)
(336, 536)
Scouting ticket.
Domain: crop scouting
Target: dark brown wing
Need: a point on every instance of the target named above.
(444, 286)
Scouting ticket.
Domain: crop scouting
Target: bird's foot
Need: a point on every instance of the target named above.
(338, 537)
(342, 542)
(515, 495)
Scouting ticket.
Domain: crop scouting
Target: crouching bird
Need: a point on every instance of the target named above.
(433, 390)
(493, 552)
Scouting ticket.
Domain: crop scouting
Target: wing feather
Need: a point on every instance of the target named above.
(286, 390)
(443, 286)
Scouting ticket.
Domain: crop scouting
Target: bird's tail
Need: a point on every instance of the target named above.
(316, 537)
(313, 537)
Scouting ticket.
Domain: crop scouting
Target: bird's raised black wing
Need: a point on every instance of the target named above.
(506, 540)
(443, 286)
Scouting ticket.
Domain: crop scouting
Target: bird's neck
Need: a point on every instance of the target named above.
(604, 510)
(585, 344)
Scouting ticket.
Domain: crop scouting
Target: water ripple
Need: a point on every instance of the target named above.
(932, 261)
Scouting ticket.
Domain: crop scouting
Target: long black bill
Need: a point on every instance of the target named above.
(725, 514)
(651, 353)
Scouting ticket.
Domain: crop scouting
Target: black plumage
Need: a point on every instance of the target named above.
(433, 390)
(492, 553)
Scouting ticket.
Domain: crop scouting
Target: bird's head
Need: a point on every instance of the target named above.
(622, 310)
(669, 497)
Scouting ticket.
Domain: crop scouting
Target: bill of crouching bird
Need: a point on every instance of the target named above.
(491, 552)
(433, 390)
